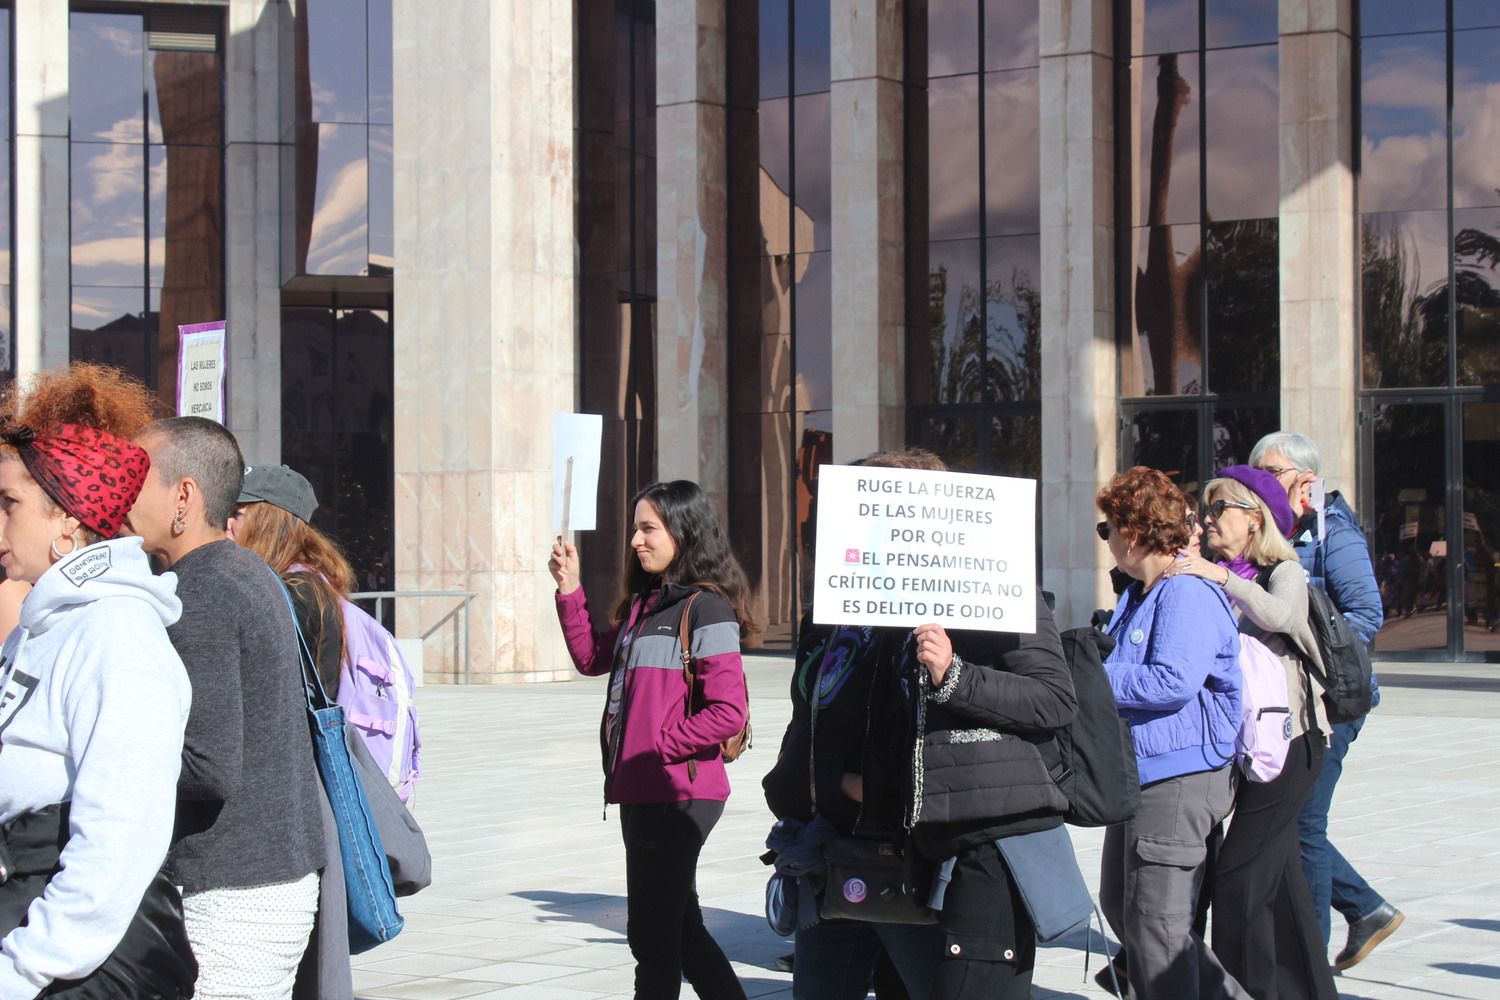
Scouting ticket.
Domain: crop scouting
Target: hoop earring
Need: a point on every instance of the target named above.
(72, 546)
(178, 524)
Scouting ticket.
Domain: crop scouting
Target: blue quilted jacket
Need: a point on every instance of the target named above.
(1176, 676)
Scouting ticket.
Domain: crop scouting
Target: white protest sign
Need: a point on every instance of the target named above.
(577, 439)
(905, 546)
(200, 371)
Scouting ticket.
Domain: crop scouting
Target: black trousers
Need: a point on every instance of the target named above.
(664, 924)
(988, 940)
(1265, 930)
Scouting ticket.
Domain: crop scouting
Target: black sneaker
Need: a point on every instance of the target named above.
(1367, 932)
(1106, 981)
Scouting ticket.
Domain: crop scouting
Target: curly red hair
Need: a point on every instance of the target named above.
(89, 395)
(1148, 507)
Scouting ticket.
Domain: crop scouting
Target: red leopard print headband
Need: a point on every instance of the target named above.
(90, 473)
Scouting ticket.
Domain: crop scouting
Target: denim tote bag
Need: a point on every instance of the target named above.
(373, 918)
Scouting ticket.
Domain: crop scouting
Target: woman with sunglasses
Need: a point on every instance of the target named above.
(1175, 674)
(1265, 929)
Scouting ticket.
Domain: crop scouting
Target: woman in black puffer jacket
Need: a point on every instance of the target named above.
(985, 707)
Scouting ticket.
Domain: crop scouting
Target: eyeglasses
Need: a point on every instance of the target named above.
(1192, 522)
(1279, 470)
(1216, 509)
(1102, 530)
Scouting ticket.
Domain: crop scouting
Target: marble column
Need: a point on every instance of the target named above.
(869, 279)
(692, 339)
(484, 329)
(1319, 253)
(258, 64)
(43, 239)
(1079, 401)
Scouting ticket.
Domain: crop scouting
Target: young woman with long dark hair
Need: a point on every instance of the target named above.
(660, 735)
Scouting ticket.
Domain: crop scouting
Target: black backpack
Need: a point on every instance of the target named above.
(1346, 661)
(1096, 766)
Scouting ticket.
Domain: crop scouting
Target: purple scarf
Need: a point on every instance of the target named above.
(1241, 567)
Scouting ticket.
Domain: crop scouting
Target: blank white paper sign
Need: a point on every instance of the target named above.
(578, 437)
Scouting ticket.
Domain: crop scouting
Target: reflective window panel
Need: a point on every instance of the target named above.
(1016, 447)
(110, 327)
(1391, 17)
(1013, 317)
(953, 158)
(775, 49)
(1476, 118)
(1242, 146)
(380, 51)
(1165, 440)
(382, 199)
(776, 167)
(1403, 96)
(107, 220)
(1167, 280)
(1162, 26)
(1481, 527)
(337, 60)
(106, 85)
(1010, 34)
(810, 25)
(1236, 429)
(184, 98)
(1409, 534)
(953, 438)
(814, 331)
(1476, 264)
(814, 155)
(1404, 285)
(1476, 14)
(952, 37)
(1244, 308)
(1012, 170)
(1166, 180)
(339, 242)
(1239, 22)
(956, 339)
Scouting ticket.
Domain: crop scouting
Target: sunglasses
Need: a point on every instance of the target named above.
(1102, 530)
(1192, 521)
(1216, 509)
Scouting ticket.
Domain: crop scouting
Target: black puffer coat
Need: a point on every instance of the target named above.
(983, 740)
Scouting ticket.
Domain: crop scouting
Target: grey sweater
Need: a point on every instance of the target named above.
(247, 799)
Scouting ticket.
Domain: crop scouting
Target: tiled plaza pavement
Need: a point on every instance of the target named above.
(528, 894)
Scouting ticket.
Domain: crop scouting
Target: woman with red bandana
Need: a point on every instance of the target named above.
(93, 701)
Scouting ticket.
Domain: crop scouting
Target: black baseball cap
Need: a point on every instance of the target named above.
(280, 485)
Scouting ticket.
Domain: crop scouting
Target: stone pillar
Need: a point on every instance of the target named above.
(1079, 401)
(1319, 253)
(258, 65)
(869, 279)
(43, 237)
(692, 249)
(484, 329)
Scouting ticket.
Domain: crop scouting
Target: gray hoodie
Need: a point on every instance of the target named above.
(93, 701)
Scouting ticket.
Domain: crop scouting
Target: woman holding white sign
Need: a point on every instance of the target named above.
(1175, 675)
(685, 596)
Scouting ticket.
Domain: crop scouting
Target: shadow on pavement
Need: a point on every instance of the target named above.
(729, 928)
(1475, 924)
(1469, 969)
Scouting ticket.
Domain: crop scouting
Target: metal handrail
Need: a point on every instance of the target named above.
(460, 636)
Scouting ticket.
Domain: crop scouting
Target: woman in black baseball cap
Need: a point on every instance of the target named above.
(271, 519)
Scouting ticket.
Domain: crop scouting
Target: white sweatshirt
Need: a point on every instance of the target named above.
(93, 700)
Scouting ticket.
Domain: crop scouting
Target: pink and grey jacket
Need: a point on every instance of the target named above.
(657, 737)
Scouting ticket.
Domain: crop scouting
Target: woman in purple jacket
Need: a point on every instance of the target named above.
(661, 739)
(1175, 674)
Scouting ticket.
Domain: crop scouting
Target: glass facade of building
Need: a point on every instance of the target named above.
(147, 147)
(7, 272)
(974, 328)
(1429, 241)
(1197, 232)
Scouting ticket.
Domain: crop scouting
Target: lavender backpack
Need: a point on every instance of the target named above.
(375, 688)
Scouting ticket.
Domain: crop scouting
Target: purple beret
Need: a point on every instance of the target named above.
(1269, 489)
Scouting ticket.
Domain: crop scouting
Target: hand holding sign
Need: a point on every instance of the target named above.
(564, 566)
